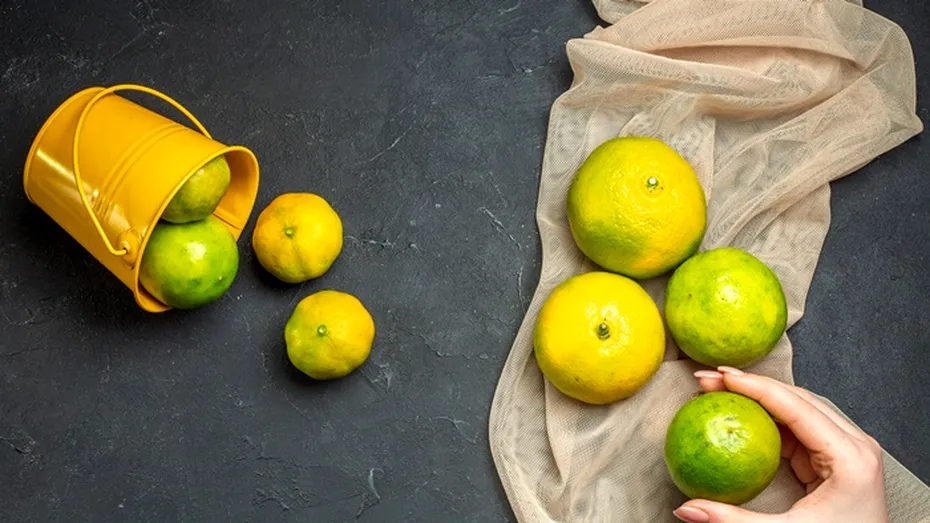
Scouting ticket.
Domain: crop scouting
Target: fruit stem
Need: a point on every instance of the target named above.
(289, 232)
(321, 330)
(603, 331)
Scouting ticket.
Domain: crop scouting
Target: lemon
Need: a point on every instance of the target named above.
(725, 307)
(599, 337)
(200, 194)
(722, 446)
(636, 207)
(189, 265)
(297, 237)
(329, 335)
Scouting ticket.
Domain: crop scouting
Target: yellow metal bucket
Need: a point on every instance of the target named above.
(105, 168)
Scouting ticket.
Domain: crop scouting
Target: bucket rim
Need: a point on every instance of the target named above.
(33, 149)
(153, 304)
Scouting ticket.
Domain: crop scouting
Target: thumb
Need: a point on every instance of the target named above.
(703, 511)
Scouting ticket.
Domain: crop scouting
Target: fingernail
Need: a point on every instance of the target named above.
(712, 374)
(691, 515)
(731, 370)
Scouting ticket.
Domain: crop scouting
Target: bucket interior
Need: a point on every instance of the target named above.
(233, 209)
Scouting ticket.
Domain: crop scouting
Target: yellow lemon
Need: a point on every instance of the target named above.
(297, 237)
(329, 335)
(599, 337)
(636, 207)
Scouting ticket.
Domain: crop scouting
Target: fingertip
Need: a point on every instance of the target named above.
(723, 513)
(737, 380)
(699, 504)
(691, 514)
(712, 384)
(710, 380)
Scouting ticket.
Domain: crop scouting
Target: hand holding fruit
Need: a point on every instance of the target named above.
(840, 465)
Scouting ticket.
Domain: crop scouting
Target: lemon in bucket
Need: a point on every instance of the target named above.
(189, 265)
(104, 169)
(200, 195)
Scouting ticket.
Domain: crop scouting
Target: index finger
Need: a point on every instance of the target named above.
(812, 427)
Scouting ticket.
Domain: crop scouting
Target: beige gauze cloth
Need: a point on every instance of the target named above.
(769, 100)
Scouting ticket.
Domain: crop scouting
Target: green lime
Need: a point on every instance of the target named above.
(725, 307)
(723, 447)
(199, 196)
(189, 265)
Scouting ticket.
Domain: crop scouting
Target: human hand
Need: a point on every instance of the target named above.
(840, 465)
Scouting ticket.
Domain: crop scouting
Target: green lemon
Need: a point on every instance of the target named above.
(723, 447)
(189, 265)
(200, 195)
(636, 207)
(725, 307)
(329, 335)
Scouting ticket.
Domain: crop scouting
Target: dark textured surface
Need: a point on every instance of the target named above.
(423, 124)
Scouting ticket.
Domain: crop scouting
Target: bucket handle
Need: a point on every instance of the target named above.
(126, 246)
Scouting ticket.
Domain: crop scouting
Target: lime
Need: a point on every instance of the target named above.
(725, 307)
(329, 335)
(599, 337)
(636, 207)
(200, 194)
(723, 447)
(189, 265)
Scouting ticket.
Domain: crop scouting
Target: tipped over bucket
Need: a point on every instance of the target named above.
(105, 169)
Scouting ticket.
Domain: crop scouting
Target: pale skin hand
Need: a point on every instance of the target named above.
(840, 465)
